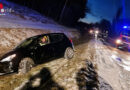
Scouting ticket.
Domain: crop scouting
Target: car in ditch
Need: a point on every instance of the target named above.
(36, 50)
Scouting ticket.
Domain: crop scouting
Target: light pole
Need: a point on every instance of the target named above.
(61, 15)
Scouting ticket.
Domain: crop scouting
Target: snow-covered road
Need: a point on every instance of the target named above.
(113, 65)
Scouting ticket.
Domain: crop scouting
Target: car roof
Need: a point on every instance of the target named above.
(37, 36)
(50, 34)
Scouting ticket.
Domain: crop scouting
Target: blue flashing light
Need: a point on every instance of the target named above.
(125, 27)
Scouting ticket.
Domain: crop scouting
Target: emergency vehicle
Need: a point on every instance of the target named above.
(124, 40)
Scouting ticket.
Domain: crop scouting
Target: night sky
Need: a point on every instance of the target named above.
(106, 9)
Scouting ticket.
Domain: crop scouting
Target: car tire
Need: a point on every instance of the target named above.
(25, 65)
(69, 53)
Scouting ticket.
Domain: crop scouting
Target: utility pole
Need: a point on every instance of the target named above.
(62, 12)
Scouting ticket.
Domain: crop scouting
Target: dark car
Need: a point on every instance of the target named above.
(36, 50)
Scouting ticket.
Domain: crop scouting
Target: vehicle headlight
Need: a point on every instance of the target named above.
(96, 31)
(118, 41)
(9, 58)
(91, 31)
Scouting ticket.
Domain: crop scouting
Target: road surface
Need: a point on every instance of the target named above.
(113, 65)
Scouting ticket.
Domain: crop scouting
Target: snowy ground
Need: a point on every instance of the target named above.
(113, 65)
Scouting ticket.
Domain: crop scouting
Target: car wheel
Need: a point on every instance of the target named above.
(69, 53)
(25, 65)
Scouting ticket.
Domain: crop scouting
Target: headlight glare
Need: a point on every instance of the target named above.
(91, 31)
(118, 41)
(96, 31)
(9, 58)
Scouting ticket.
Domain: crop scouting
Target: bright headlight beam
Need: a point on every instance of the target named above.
(91, 31)
(118, 41)
(8, 59)
(96, 31)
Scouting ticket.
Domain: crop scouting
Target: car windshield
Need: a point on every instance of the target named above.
(26, 42)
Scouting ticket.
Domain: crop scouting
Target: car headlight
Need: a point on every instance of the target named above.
(96, 31)
(9, 58)
(91, 31)
(118, 41)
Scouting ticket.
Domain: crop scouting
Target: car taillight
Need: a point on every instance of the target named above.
(71, 41)
(72, 44)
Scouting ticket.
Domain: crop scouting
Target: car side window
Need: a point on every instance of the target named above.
(56, 38)
(44, 40)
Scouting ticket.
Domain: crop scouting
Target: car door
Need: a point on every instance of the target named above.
(45, 50)
(58, 45)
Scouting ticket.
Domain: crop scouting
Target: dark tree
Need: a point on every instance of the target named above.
(116, 20)
(75, 9)
(105, 25)
(66, 12)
